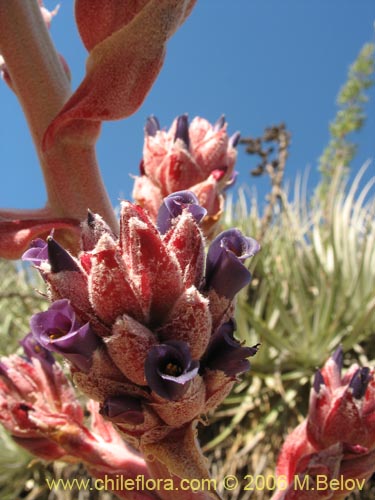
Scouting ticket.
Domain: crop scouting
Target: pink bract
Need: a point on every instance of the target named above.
(199, 157)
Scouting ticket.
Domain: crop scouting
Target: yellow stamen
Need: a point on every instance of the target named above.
(173, 369)
(56, 333)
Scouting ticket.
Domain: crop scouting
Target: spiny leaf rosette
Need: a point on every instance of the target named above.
(146, 323)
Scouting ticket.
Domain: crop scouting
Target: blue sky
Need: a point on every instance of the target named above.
(259, 62)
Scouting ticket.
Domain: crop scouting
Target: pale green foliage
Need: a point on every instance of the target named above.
(18, 301)
(349, 118)
(13, 467)
(314, 281)
(313, 289)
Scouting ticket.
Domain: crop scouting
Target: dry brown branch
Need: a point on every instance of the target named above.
(272, 162)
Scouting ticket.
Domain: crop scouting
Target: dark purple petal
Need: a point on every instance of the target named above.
(59, 331)
(338, 357)
(219, 124)
(234, 139)
(123, 409)
(225, 353)
(360, 381)
(59, 258)
(182, 130)
(169, 369)
(33, 349)
(318, 381)
(173, 206)
(37, 253)
(152, 125)
(225, 271)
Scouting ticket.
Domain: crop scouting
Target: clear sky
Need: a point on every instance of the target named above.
(259, 62)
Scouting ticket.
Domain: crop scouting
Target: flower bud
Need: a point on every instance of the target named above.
(185, 157)
(342, 405)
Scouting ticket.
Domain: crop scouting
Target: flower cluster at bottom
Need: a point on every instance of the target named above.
(332, 451)
(146, 321)
(42, 412)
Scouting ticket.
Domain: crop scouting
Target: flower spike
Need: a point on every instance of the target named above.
(140, 329)
(198, 156)
(337, 440)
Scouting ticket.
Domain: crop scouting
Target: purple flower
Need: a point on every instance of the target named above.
(225, 353)
(34, 349)
(173, 206)
(169, 369)
(37, 253)
(225, 269)
(124, 409)
(58, 330)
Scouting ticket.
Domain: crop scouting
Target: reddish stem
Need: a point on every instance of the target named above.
(70, 170)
